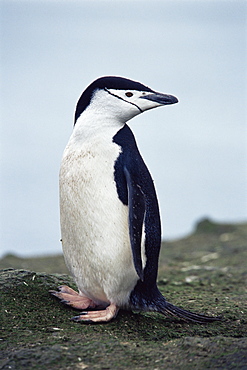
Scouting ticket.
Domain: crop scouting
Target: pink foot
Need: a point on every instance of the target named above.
(72, 298)
(98, 316)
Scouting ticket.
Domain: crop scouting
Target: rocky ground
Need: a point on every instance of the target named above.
(205, 272)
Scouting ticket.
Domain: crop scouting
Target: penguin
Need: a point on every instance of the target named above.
(109, 212)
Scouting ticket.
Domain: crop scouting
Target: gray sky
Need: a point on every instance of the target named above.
(195, 150)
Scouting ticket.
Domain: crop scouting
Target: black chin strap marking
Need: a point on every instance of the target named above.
(119, 97)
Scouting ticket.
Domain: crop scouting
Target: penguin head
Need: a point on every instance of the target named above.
(120, 98)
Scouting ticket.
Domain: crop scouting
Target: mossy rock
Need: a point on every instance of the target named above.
(38, 333)
(204, 272)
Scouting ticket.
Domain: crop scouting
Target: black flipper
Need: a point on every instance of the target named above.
(136, 204)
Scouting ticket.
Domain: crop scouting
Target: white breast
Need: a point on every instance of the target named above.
(94, 222)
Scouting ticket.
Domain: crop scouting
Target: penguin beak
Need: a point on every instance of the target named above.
(162, 99)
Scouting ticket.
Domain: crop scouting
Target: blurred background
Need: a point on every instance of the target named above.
(195, 150)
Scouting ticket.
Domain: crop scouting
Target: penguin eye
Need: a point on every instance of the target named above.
(129, 94)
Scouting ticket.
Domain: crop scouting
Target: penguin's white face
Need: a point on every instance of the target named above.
(122, 105)
(117, 100)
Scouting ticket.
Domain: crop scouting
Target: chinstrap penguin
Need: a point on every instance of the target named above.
(110, 222)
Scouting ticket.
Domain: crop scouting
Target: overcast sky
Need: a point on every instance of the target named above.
(195, 150)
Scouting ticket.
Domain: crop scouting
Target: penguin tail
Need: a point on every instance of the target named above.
(169, 309)
(144, 298)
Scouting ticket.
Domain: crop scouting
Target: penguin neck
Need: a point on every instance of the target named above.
(92, 123)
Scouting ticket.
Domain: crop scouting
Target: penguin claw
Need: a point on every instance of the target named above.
(67, 289)
(53, 292)
(78, 319)
(65, 302)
